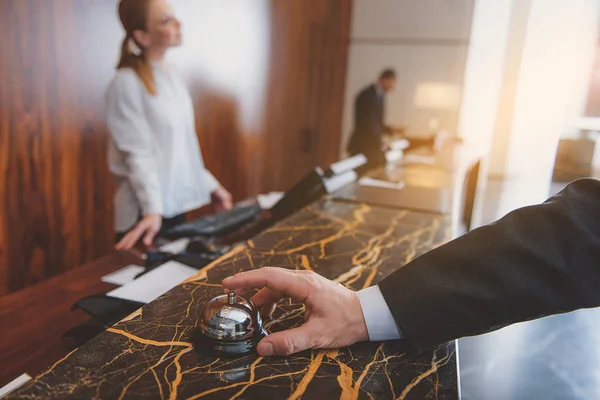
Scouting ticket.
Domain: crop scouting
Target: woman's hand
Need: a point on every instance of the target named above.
(333, 315)
(147, 228)
(221, 199)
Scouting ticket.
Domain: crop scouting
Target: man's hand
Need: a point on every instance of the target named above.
(148, 227)
(221, 199)
(333, 316)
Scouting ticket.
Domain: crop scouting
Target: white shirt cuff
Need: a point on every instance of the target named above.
(378, 317)
(211, 182)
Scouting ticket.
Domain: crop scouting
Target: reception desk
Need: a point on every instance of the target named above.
(149, 354)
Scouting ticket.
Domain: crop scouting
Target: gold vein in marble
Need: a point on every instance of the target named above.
(251, 380)
(203, 273)
(56, 364)
(313, 367)
(234, 385)
(149, 342)
(435, 365)
(347, 227)
(305, 263)
(178, 375)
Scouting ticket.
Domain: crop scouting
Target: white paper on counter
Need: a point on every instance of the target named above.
(266, 201)
(152, 285)
(123, 276)
(418, 159)
(14, 385)
(337, 182)
(176, 246)
(366, 181)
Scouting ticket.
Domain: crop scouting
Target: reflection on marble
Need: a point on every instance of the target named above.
(552, 358)
(148, 355)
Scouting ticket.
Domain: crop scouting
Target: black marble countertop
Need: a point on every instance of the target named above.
(149, 355)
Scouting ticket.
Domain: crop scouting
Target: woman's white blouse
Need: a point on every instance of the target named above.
(154, 153)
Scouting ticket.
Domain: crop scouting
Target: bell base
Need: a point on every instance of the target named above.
(226, 348)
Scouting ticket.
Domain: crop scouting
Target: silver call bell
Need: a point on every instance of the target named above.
(230, 325)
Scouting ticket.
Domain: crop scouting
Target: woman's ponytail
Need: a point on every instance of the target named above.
(133, 14)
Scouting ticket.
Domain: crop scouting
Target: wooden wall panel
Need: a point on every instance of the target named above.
(268, 107)
(56, 189)
(307, 80)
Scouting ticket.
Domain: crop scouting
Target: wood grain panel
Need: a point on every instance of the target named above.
(306, 88)
(268, 108)
(56, 189)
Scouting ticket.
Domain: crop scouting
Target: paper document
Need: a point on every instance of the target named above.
(393, 156)
(14, 385)
(366, 181)
(266, 201)
(176, 246)
(399, 144)
(155, 283)
(123, 276)
(337, 182)
(418, 159)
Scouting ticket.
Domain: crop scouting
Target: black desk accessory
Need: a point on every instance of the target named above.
(216, 224)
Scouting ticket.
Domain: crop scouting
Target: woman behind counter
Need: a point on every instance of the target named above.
(154, 153)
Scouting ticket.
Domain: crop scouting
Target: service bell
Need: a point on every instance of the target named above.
(230, 325)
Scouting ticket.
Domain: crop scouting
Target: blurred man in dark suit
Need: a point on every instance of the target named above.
(369, 119)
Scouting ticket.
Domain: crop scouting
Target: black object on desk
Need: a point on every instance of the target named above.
(197, 255)
(307, 190)
(216, 224)
(155, 258)
(200, 245)
(107, 310)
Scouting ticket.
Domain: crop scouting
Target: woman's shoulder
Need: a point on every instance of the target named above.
(124, 78)
(124, 81)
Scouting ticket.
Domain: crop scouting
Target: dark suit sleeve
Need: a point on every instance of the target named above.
(535, 261)
(367, 118)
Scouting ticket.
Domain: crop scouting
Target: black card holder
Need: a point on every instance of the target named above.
(105, 309)
(109, 310)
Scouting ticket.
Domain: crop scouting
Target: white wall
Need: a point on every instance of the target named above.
(484, 70)
(403, 19)
(425, 41)
(510, 81)
(482, 86)
(241, 70)
(539, 87)
(558, 51)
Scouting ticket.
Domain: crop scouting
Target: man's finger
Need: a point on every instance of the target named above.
(287, 342)
(242, 291)
(266, 301)
(289, 283)
(266, 296)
